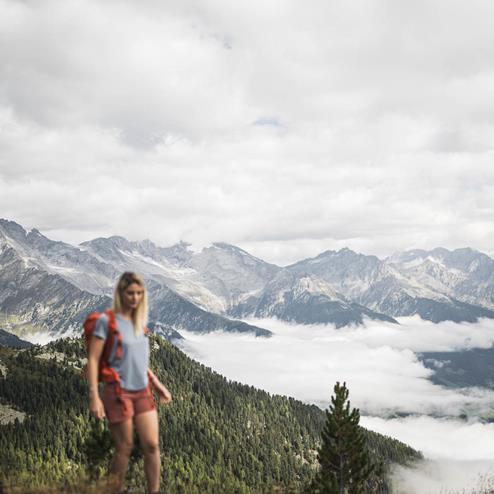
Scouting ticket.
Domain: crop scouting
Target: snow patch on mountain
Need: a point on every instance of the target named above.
(315, 286)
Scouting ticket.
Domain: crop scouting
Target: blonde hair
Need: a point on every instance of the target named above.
(139, 315)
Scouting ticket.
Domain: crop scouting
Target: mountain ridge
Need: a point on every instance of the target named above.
(223, 281)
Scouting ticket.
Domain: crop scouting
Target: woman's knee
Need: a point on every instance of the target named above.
(124, 447)
(150, 447)
(123, 437)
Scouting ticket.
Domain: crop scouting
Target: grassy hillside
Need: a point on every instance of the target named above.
(216, 435)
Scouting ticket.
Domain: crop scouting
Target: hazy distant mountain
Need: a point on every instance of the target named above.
(167, 266)
(32, 299)
(223, 279)
(389, 286)
(464, 274)
(199, 291)
(214, 279)
(165, 332)
(71, 263)
(171, 309)
(231, 273)
(51, 286)
(461, 369)
(305, 299)
(11, 340)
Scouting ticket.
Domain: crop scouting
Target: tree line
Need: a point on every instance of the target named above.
(217, 435)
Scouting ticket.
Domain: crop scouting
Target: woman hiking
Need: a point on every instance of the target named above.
(128, 400)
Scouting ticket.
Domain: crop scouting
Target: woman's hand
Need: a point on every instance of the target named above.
(164, 395)
(96, 407)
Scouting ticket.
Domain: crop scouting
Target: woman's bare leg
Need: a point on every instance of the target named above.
(123, 437)
(147, 427)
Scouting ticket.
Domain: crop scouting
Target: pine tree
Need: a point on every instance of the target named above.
(97, 448)
(344, 462)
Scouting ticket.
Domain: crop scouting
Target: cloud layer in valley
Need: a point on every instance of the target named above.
(377, 361)
(282, 129)
(444, 477)
(385, 379)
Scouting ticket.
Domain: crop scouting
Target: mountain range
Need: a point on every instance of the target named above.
(50, 286)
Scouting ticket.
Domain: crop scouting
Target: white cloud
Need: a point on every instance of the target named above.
(378, 363)
(444, 477)
(459, 454)
(383, 135)
(420, 335)
(443, 438)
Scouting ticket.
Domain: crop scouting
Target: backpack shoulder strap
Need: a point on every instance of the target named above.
(112, 334)
(88, 327)
(116, 334)
(112, 320)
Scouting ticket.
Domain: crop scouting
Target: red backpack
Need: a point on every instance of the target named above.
(105, 372)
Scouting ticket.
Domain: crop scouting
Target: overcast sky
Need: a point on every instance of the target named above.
(284, 127)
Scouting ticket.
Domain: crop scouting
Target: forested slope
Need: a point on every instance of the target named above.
(216, 435)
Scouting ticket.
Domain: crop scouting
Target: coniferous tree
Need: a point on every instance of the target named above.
(345, 466)
(218, 436)
(97, 449)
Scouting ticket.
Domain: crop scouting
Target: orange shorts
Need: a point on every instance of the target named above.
(136, 402)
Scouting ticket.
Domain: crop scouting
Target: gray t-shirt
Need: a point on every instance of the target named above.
(132, 367)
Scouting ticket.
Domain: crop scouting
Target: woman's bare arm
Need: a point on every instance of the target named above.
(95, 351)
(163, 393)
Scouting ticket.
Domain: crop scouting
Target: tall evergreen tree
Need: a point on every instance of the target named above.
(222, 437)
(345, 466)
(97, 448)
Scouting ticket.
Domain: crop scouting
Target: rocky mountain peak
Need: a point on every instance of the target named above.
(12, 229)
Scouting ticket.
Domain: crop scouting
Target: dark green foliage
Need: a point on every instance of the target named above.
(345, 466)
(216, 435)
(97, 448)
